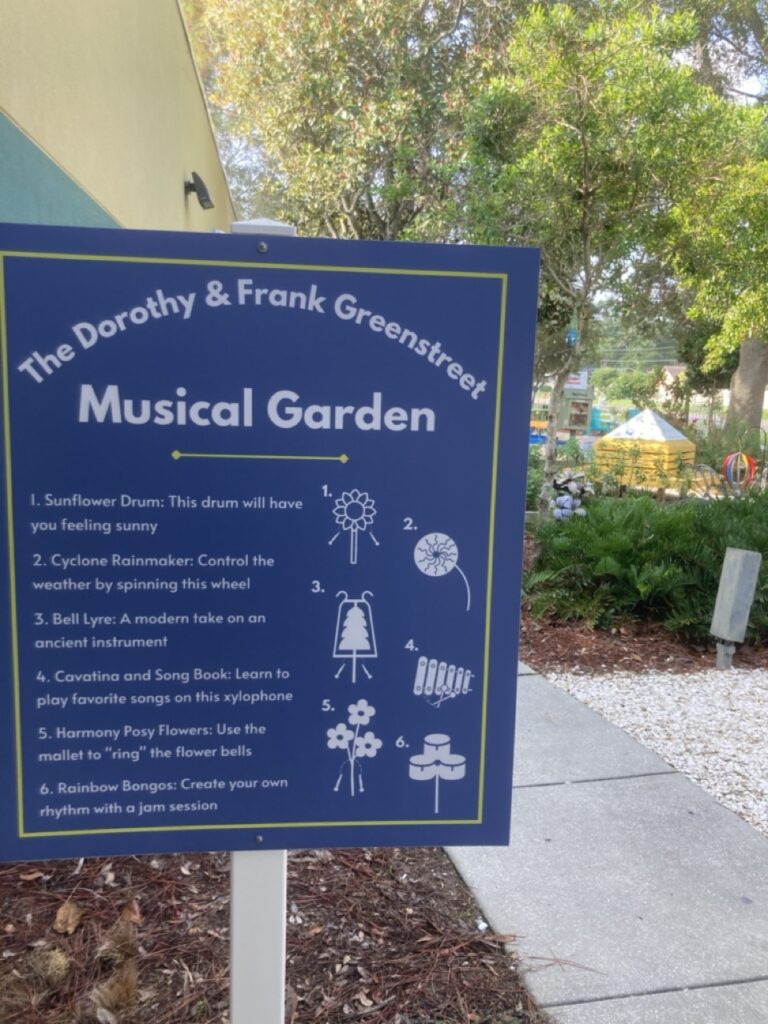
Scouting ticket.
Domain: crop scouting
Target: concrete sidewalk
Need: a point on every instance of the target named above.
(634, 896)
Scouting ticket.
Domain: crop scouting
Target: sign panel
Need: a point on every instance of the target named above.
(263, 511)
(578, 380)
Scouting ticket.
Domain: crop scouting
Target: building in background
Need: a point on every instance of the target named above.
(103, 118)
(671, 380)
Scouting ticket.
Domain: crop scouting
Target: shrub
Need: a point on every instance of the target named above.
(535, 478)
(721, 441)
(633, 559)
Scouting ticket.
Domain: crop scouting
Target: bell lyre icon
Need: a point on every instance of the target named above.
(355, 638)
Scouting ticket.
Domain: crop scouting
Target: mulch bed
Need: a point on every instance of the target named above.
(571, 647)
(380, 936)
(403, 944)
(549, 646)
(131, 940)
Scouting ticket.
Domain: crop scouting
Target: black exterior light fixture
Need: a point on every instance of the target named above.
(198, 186)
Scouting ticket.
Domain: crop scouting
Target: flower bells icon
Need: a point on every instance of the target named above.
(356, 747)
(354, 512)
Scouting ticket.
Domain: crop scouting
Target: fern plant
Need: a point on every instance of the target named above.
(632, 559)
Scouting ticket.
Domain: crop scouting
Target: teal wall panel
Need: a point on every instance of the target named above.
(34, 190)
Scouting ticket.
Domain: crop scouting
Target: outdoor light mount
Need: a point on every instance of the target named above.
(198, 186)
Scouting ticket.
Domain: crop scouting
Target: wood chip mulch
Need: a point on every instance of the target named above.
(379, 936)
(550, 646)
(413, 949)
(570, 647)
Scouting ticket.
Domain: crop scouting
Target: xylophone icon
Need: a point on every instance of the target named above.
(438, 681)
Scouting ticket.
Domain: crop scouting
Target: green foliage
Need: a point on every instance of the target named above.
(574, 126)
(693, 338)
(635, 386)
(535, 477)
(722, 441)
(633, 559)
(722, 249)
(356, 105)
(730, 51)
(570, 454)
(581, 146)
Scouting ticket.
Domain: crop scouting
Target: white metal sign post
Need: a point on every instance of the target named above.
(258, 881)
(257, 957)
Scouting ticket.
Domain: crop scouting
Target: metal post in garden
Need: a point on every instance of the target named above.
(738, 580)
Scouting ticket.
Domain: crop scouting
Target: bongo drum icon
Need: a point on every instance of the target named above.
(437, 762)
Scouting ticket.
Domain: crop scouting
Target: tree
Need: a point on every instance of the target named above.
(722, 252)
(582, 146)
(355, 105)
(241, 158)
(731, 53)
(636, 386)
(553, 317)
(645, 323)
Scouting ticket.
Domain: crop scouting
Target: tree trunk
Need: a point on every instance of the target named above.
(748, 386)
(550, 448)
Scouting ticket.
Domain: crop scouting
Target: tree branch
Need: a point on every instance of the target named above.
(561, 283)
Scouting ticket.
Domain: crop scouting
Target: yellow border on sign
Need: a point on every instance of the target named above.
(249, 264)
(319, 268)
(240, 827)
(491, 540)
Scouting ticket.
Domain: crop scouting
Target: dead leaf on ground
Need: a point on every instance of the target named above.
(67, 918)
(50, 966)
(118, 993)
(291, 1003)
(120, 944)
(104, 1016)
(106, 876)
(131, 912)
(30, 876)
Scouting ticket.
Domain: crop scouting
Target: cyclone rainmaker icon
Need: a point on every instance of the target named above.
(437, 554)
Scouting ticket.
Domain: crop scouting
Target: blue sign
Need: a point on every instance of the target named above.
(262, 526)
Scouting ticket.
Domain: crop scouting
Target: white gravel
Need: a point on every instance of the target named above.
(711, 726)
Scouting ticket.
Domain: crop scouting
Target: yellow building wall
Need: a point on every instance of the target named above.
(108, 89)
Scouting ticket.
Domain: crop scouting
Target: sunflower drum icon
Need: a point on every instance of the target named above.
(354, 512)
